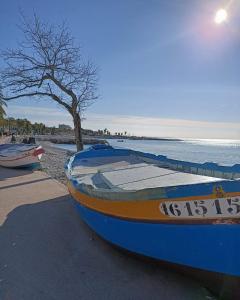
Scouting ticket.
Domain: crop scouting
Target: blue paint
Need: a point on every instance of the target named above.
(201, 189)
(208, 247)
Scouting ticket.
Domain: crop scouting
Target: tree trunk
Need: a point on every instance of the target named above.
(78, 131)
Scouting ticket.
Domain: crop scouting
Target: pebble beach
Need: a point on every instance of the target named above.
(53, 161)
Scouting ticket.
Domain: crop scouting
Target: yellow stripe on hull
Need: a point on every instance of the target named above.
(149, 210)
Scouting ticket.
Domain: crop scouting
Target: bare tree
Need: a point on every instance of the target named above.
(48, 64)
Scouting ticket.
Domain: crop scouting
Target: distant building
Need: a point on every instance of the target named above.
(64, 127)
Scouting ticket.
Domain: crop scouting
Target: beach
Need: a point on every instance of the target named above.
(38, 192)
(53, 161)
(48, 252)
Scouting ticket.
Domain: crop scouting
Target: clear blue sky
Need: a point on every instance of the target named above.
(166, 69)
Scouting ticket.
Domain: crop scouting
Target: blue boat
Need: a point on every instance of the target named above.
(175, 211)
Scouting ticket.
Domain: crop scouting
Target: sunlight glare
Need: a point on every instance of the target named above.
(220, 16)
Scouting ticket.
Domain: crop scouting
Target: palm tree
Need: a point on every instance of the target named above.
(105, 131)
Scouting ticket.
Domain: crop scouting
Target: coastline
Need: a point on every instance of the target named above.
(98, 139)
(197, 152)
(69, 139)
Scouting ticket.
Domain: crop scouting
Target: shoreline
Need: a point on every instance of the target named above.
(66, 139)
(99, 139)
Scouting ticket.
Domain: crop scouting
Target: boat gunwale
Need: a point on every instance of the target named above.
(226, 172)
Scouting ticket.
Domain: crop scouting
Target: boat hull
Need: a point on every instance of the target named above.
(29, 159)
(31, 166)
(213, 247)
(179, 212)
(20, 162)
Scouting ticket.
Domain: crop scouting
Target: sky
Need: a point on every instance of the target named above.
(165, 68)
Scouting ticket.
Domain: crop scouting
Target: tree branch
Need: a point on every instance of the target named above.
(53, 96)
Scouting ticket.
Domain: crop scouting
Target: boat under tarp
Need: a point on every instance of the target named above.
(180, 212)
(20, 155)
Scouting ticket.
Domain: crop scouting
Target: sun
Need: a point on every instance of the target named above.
(221, 16)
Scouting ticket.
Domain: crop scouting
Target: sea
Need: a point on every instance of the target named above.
(223, 152)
